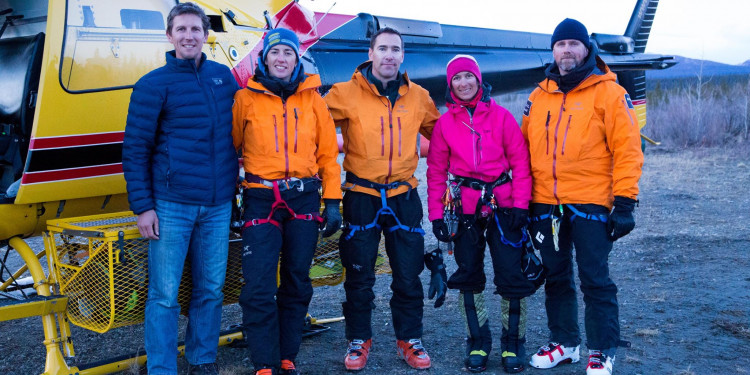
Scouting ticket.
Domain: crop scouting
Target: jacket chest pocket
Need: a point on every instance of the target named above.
(375, 129)
(266, 135)
(541, 131)
(303, 132)
(580, 135)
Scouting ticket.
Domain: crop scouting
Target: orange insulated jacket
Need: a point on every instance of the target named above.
(585, 144)
(278, 139)
(380, 140)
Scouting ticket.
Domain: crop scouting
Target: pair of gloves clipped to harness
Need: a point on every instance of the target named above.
(331, 217)
(621, 220)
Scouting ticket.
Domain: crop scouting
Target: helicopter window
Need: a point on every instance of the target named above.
(217, 23)
(142, 19)
(109, 45)
(88, 16)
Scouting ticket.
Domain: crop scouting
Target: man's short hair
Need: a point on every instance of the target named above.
(187, 8)
(385, 30)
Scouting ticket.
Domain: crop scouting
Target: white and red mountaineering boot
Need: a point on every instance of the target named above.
(599, 363)
(554, 354)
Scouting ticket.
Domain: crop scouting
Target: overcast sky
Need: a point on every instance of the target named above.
(716, 30)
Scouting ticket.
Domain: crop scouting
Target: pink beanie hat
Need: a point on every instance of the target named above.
(463, 63)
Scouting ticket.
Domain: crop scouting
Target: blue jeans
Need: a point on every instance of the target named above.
(200, 234)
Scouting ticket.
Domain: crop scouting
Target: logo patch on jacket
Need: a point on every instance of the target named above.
(630, 102)
(527, 108)
(217, 81)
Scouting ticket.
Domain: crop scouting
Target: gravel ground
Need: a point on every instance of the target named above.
(684, 291)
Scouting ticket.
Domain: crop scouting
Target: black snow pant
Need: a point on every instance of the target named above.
(506, 260)
(273, 317)
(405, 252)
(589, 237)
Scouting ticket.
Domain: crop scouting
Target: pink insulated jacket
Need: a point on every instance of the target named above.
(481, 146)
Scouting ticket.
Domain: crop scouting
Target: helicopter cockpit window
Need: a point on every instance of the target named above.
(111, 44)
(142, 19)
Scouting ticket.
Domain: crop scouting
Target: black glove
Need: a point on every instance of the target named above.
(331, 217)
(439, 278)
(440, 229)
(518, 218)
(621, 220)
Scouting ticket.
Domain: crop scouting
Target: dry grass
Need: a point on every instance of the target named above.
(632, 359)
(658, 298)
(700, 113)
(737, 329)
(695, 114)
(646, 332)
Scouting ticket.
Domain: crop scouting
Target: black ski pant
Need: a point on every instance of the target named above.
(592, 248)
(405, 252)
(469, 250)
(273, 317)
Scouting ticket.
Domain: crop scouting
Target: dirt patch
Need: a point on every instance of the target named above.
(684, 291)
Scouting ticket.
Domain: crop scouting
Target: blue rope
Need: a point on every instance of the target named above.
(507, 241)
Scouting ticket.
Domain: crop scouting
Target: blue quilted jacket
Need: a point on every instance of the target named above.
(178, 137)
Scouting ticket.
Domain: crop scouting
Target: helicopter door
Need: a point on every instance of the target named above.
(20, 67)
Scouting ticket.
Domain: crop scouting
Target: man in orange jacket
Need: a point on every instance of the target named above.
(381, 113)
(586, 158)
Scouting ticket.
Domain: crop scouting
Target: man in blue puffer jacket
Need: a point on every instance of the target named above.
(181, 168)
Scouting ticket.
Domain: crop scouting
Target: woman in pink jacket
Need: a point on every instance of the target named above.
(475, 148)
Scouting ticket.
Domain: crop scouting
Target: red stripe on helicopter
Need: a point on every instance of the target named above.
(75, 140)
(71, 174)
(639, 101)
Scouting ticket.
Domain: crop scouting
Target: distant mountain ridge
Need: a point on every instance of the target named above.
(691, 68)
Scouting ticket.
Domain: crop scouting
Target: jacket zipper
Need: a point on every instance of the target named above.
(546, 131)
(554, 152)
(214, 114)
(474, 141)
(565, 138)
(276, 133)
(382, 136)
(286, 142)
(296, 121)
(390, 151)
(399, 136)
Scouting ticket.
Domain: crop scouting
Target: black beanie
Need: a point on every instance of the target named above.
(571, 29)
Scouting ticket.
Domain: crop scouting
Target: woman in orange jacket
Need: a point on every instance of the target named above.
(288, 143)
